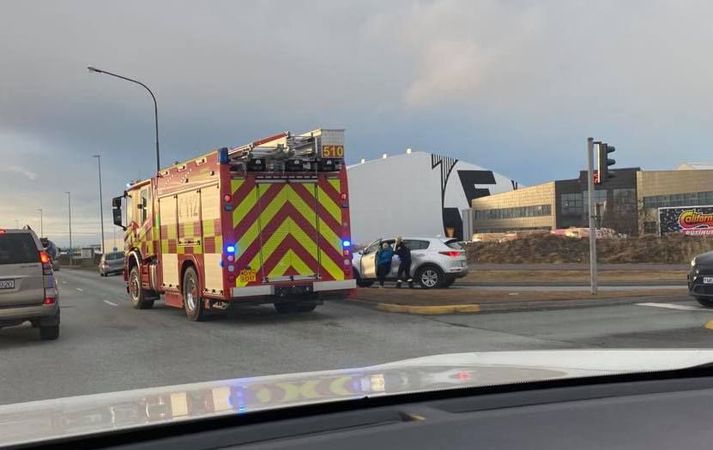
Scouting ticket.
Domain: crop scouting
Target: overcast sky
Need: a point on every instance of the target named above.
(512, 85)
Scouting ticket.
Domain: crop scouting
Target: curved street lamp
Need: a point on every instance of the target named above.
(155, 105)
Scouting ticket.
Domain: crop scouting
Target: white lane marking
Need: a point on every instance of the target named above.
(79, 289)
(111, 303)
(676, 307)
(64, 282)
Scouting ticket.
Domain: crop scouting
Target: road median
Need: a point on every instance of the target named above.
(571, 275)
(474, 300)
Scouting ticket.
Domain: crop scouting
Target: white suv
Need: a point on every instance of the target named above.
(435, 262)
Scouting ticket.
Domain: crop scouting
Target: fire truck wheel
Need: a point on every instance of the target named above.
(138, 296)
(192, 301)
(294, 307)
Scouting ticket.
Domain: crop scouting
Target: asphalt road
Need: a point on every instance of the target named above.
(105, 345)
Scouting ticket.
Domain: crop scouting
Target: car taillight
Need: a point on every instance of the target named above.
(452, 254)
(46, 263)
(49, 301)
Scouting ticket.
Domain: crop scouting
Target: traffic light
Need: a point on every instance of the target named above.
(603, 162)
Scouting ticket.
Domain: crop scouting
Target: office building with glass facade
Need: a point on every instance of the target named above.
(627, 202)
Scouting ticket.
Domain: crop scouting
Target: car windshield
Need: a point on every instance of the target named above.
(323, 200)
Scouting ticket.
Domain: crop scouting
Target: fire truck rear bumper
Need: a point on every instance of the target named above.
(269, 290)
(253, 291)
(337, 285)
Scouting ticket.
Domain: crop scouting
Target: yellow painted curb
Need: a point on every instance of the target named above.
(440, 309)
(709, 325)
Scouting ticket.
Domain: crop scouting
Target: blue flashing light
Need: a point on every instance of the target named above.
(223, 155)
(230, 249)
(346, 243)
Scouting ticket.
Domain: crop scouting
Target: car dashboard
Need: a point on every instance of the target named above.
(639, 411)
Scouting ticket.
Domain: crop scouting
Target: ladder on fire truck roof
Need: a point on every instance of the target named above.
(288, 146)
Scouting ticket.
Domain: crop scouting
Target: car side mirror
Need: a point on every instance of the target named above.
(116, 212)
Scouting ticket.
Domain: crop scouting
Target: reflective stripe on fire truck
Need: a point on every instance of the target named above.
(287, 229)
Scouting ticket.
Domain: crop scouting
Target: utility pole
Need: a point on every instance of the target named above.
(101, 201)
(69, 209)
(592, 229)
(42, 225)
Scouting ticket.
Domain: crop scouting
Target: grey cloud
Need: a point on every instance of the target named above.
(492, 82)
(19, 170)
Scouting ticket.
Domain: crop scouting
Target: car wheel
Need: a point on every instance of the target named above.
(705, 301)
(192, 300)
(49, 332)
(137, 295)
(294, 307)
(362, 282)
(429, 277)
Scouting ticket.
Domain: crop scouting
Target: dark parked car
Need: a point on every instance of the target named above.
(700, 279)
(111, 263)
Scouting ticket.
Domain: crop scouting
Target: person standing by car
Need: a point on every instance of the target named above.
(383, 262)
(404, 254)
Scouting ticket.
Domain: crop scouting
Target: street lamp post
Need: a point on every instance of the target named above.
(155, 105)
(42, 225)
(69, 208)
(101, 200)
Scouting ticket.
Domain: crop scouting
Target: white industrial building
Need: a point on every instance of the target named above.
(416, 194)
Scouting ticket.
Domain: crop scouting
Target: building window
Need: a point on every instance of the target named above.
(650, 228)
(624, 200)
(599, 197)
(513, 213)
(571, 204)
(686, 199)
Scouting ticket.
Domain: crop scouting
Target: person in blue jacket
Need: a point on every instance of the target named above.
(383, 262)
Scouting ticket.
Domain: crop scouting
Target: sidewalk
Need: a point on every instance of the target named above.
(473, 300)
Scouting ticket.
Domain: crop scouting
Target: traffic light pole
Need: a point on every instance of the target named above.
(590, 212)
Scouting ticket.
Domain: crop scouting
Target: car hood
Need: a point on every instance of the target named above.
(88, 414)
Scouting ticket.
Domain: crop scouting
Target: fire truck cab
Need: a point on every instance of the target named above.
(266, 222)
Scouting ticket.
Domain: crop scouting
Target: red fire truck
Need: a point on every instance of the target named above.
(267, 222)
